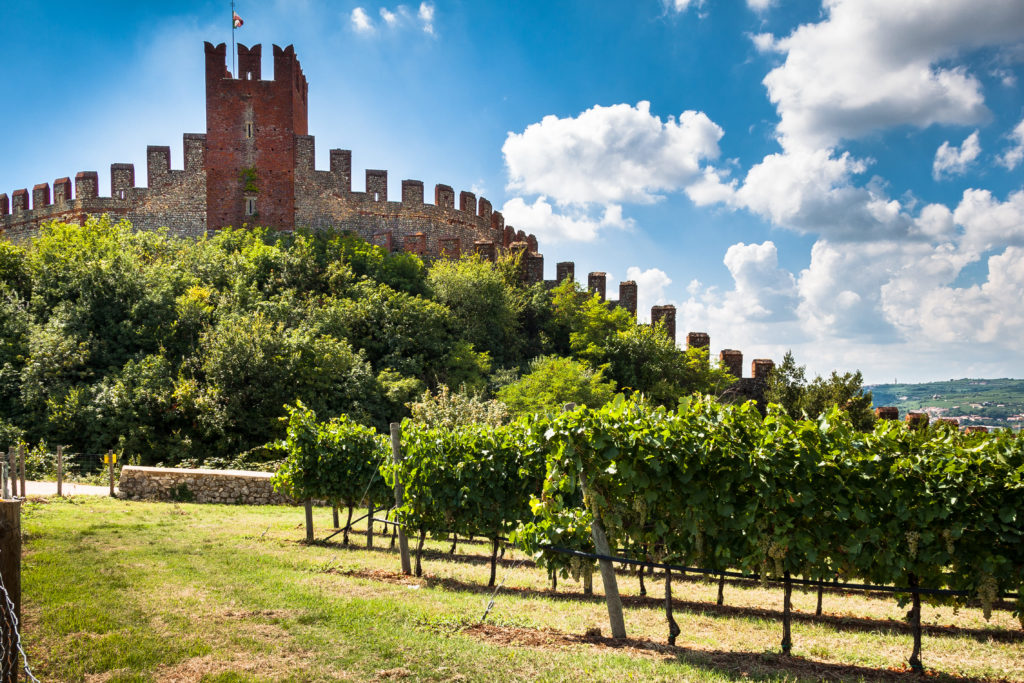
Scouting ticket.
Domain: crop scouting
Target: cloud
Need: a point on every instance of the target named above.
(813, 192)
(989, 313)
(574, 225)
(764, 42)
(1014, 154)
(361, 21)
(683, 5)
(763, 291)
(988, 223)
(951, 161)
(401, 17)
(610, 154)
(874, 64)
(426, 16)
(761, 5)
(651, 286)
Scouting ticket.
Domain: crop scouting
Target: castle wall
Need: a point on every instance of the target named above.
(174, 199)
(324, 199)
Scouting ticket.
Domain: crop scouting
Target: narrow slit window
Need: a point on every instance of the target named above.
(250, 206)
(248, 129)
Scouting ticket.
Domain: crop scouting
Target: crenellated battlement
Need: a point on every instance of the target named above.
(172, 197)
(326, 199)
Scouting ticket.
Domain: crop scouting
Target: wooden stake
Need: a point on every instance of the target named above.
(334, 513)
(821, 591)
(309, 521)
(396, 457)
(10, 572)
(110, 461)
(721, 591)
(369, 524)
(12, 462)
(60, 471)
(611, 586)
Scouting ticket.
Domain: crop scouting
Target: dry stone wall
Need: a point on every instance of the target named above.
(199, 486)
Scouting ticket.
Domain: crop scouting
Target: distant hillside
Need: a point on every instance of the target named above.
(989, 402)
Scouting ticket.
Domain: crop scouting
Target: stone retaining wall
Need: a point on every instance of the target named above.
(198, 486)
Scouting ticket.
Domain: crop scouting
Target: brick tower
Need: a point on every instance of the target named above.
(251, 126)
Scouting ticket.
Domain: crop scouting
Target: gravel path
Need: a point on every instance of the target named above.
(49, 488)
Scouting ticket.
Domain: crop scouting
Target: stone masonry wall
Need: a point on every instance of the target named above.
(198, 486)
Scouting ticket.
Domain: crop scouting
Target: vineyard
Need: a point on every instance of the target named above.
(930, 513)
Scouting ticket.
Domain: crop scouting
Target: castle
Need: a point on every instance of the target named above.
(255, 164)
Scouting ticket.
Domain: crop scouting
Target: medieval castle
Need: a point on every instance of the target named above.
(255, 164)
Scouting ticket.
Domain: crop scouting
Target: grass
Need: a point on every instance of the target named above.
(127, 591)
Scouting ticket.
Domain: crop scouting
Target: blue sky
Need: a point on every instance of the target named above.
(841, 178)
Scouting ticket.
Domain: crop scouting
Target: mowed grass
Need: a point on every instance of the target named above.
(127, 591)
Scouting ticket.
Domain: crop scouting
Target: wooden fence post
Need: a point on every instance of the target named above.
(309, 521)
(21, 458)
(12, 461)
(110, 460)
(396, 457)
(60, 471)
(10, 573)
(3, 482)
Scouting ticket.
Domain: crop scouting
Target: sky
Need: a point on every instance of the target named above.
(839, 178)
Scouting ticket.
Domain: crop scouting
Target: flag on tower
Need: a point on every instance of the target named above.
(236, 21)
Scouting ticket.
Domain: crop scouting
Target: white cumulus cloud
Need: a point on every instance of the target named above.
(619, 153)
(951, 161)
(573, 225)
(1012, 157)
(873, 64)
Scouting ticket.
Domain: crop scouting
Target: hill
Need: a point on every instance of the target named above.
(989, 402)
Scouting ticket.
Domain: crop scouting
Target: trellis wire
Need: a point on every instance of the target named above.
(757, 577)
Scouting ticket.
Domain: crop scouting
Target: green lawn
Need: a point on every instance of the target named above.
(123, 591)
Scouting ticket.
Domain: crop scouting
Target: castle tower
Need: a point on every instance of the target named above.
(251, 126)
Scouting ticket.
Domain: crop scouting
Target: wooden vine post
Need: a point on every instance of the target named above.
(611, 586)
(10, 573)
(396, 457)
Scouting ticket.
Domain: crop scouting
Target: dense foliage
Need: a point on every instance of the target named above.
(473, 480)
(336, 461)
(185, 351)
(721, 487)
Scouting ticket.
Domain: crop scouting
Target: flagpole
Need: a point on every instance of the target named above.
(232, 38)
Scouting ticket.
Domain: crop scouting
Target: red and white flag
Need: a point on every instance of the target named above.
(236, 21)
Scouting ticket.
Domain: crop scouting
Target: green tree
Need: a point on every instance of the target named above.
(485, 303)
(553, 381)
(787, 386)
